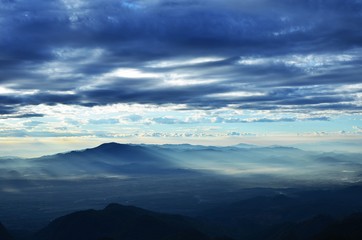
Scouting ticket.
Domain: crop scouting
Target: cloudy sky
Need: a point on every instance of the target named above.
(75, 73)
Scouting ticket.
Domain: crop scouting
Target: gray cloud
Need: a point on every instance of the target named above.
(19, 115)
(29, 115)
(264, 47)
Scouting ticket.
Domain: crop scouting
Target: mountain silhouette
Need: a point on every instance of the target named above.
(302, 214)
(118, 222)
(261, 165)
(4, 234)
(304, 230)
(106, 159)
(349, 228)
(252, 218)
(109, 153)
(321, 227)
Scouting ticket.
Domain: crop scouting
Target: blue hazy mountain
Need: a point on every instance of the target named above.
(122, 160)
(111, 159)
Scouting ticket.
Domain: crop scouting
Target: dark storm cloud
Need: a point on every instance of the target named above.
(29, 115)
(6, 110)
(8, 115)
(39, 98)
(55, 46)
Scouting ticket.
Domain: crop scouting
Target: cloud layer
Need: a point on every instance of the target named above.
(278, 55)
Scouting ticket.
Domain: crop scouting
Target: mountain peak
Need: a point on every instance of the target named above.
(112, 145)
(245, 145)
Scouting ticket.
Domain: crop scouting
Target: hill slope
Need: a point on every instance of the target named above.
(119, 222)
(258, 217)
(4, 234)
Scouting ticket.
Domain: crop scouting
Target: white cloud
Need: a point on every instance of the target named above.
(131, 73)
(307, 62)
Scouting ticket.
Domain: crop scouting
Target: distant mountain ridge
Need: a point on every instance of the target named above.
(107, 159)
(122, 160)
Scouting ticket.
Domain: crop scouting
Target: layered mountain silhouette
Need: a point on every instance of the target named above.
(4, 234)
(300, 214)
(349, 228)
(186, 179)
(308, 215)
(110, 159)
(114, 159)
(120, 222)
(321, 227)
(304, 230)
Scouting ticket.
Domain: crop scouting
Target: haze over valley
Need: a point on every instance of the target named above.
(181, 179)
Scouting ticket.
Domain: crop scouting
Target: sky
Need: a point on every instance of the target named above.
(76, 73)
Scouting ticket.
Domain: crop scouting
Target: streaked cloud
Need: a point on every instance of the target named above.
(89, 65)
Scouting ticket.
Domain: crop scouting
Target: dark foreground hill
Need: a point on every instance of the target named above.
(4, 234)
(118, 222)
(322, 228)
(298, 215)
(347, 229)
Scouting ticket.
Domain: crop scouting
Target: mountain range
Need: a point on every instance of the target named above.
(124, 160)
(120, 222)
(300, 213)
(244, 191)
